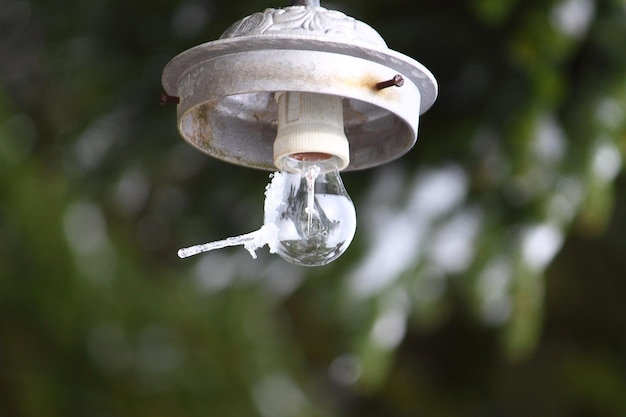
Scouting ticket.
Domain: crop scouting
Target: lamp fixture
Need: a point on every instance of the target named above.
(308, 92)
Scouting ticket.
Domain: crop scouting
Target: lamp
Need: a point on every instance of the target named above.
(307, 91)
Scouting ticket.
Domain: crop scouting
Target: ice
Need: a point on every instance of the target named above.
(250, 241)
(266, 235)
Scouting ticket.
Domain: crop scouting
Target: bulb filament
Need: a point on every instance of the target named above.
(311, 175)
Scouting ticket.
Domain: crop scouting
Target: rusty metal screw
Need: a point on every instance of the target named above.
(396, 81)
(167, 99)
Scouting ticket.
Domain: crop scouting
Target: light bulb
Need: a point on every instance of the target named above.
(316, 220)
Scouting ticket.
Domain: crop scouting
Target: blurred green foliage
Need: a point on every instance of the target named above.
(486, 278)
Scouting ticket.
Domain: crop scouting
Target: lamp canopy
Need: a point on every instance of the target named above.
(227, 88)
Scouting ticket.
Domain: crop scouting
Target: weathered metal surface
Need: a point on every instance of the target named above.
(226, 87)
(309, 21)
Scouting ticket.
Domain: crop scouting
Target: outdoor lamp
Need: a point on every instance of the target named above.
(307, 92)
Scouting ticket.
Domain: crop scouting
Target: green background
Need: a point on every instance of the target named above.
(486, 277)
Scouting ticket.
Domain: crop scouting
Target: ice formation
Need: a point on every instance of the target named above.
(266, 235)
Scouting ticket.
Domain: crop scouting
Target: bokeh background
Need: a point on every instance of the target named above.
(486, 278)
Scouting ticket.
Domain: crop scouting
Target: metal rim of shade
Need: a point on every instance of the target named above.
(226, 90)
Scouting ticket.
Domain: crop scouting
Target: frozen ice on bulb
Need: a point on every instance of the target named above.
(266, 235)
(309, 218)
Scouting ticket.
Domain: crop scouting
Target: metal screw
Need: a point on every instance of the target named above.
(396, 81)
(167, 99)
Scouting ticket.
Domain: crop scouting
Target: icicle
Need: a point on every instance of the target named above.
(266, 235)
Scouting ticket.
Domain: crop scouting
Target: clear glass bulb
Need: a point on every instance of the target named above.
(317, 220)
